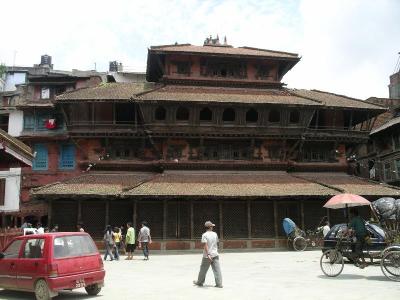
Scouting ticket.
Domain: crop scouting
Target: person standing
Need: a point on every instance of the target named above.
(130, 241)
(108, 242)
(39, 228)
(144, 239)
(117, 242)
(210, 256)
(324, 229)
(79, 227)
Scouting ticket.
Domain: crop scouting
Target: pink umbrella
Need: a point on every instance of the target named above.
(346, 200)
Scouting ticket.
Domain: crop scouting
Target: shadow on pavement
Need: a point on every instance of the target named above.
(15, 295)
(378, 278)
(343, 277)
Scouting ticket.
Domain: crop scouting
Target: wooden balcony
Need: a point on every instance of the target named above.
(332, 133)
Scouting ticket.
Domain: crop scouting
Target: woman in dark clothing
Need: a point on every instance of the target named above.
(108, 242)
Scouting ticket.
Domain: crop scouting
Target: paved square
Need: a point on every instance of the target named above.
(250, 275)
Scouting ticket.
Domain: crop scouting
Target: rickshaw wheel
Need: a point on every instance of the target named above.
(390, 265)
(299, 243)
(331, 263)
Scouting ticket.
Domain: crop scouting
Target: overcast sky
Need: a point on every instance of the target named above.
(347, 46)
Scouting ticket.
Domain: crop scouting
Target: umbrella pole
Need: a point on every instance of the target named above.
(347, 215)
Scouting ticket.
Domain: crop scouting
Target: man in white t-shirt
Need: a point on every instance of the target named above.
(210, 256)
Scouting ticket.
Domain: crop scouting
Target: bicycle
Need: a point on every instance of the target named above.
(332, 261)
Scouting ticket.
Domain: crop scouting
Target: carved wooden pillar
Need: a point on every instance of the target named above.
(107, 216)
(191, 220)
(79, 211)
(49, 214)
(302, 214)
(134, 217)
(249, 219)
(276, 218)
(165, 216)
(221, 220)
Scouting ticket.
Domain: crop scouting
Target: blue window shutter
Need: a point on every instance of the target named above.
(41, 160)
(29, 122)
(67, 157)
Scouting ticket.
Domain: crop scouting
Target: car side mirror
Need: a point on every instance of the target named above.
(1, 255)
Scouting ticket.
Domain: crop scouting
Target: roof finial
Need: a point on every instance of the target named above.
(225, 41)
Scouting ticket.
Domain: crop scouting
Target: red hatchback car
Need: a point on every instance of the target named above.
(51, 262)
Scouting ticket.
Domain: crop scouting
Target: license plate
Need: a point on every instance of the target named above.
(80, 283)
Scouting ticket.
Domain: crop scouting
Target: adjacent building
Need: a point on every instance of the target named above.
(213, 134)
(13, 155)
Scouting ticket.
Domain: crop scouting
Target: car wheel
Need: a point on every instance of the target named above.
(93, 289)
(42, 290)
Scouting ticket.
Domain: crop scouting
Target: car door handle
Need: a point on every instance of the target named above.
(36, 264)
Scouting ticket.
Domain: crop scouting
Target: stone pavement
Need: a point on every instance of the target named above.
(246, 275)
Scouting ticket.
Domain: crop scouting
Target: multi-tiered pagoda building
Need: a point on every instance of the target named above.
(214, 135)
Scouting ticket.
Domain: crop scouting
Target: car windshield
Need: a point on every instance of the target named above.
(74, 245)
(378, 229)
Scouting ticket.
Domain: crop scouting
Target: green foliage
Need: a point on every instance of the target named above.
(3, 69)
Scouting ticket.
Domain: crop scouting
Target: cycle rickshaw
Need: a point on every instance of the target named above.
(332, 261)
(298, 239)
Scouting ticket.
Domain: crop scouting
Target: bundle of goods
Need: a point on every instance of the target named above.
(387, 211)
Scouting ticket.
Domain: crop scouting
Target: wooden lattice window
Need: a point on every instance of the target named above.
(294, 117)
(229, 115)
(160, 113)
(274, 116)
(251, 116)
(206, 114)
(182, 114)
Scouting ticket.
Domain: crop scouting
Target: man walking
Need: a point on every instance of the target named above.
(210, 256)
(144, 239)
(130, 241)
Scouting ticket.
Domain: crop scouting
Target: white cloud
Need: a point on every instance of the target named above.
(347, 47)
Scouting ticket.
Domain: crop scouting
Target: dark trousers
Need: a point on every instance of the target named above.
(358, 249)
(145, 247)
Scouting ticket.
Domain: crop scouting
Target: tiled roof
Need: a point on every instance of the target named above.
(382, 119)
(106, 91)
(351, 184)
(16, 145)
(335, 100)
(99, 184)
(228, 184)
(386, 125)
(225, 95)
(216, 184)
(225, 50)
